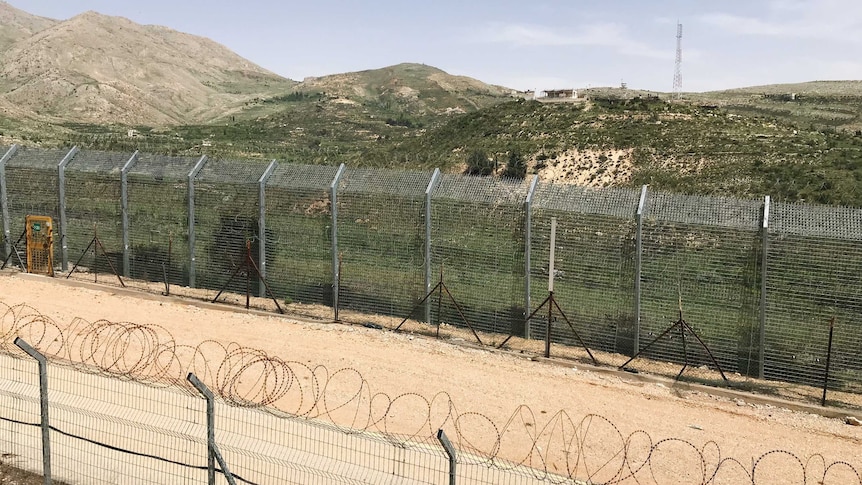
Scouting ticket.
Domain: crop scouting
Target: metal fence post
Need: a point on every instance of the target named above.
(429, 193)
(213, 453)
(450, 451)
(191, 183)
(638, 266)
(261, 225)
(124, 208)
(763, 274)
(4, 201)
(61, 190)
(528, 248)
(43, 404)
(333, 202)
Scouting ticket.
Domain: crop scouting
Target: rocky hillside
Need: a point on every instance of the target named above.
(415, 89)
(94, 68)
(18, 25)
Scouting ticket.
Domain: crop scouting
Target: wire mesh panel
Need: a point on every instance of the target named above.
(158, 218)
(381, 233)
(702, 253)
(20, 434)
(262, 447)
(478, 243)
(93, 206)
(226, 221)
(298, 232)
(477, 470)
(814, 274)
(31, 185)
(110, 430)
(594, 264)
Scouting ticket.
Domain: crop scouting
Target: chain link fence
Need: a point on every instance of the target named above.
(594, 265)
(477, 248)
(158, 218)
(701, 262)
(814, 275)
(626, 261)
(93, 208)
(381, 240)
(227, 224)
(31, 179)
(299, 233)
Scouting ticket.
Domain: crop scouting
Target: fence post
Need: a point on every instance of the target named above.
(333, 202)
(639, 216)
(43, 404)
(61, 190)
(528, 248)
(429, 192)
(124, 208)
(261, 225)
(4, 201)
(191, 183)
(213, 453)
(763, 273)
(450, 450)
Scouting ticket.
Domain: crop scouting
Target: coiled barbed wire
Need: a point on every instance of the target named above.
(561, 450)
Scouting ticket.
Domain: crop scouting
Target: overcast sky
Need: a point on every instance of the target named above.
(541, 44)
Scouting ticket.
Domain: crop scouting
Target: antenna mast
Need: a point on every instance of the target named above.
(677, 75)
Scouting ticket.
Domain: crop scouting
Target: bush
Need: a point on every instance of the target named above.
(516, 166)
(478, 163)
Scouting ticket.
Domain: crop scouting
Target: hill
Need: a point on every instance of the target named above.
(413, 88)
(100, 69)
(676, 146)
(816, 104)
(321, 120)
(18, 25)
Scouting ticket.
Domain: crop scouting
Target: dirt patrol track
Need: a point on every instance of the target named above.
(482, 380)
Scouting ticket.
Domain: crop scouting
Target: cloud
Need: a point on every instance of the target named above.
(601, 35)
(833, 20)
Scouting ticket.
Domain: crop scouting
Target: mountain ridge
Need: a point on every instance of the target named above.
(18, 24)
(98, 68)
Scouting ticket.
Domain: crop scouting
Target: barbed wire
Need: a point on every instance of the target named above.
(559, 451)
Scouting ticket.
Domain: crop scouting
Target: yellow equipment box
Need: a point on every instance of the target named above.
(40, 245)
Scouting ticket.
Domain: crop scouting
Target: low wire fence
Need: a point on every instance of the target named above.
(106, 402)
(758, 281)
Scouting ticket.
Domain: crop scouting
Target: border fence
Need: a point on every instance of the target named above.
(758, 281)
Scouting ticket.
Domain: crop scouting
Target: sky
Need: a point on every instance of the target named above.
(524, 45)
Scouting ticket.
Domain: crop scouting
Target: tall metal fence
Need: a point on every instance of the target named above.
(759, 282)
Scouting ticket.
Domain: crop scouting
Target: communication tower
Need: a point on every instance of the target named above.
(677, 75)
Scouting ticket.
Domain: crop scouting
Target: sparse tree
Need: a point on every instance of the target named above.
(478, 163)
(516, 166)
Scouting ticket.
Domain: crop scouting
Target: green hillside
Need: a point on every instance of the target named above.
(794, 143)
(671, 146)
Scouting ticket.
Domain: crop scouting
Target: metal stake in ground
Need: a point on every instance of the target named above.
(16, 253)
(440, 287)
(552, 303)
(682, 326)
(165, 267)
(248, 265)
(828, 359)
(96, 243)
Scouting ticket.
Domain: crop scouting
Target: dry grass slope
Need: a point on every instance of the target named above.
(100, 69)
